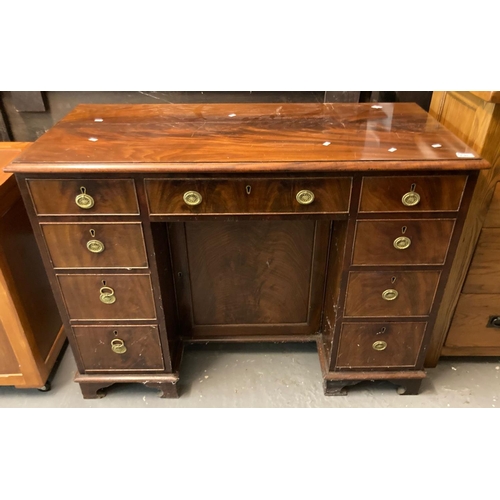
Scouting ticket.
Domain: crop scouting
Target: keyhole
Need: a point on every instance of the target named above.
(92, 233)
(403, 229)
(393, 279)
(83, 190)
(115, 333)
(248, 189)
(103, 283)
(413, 187)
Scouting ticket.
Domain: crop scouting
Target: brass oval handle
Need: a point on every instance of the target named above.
(411, 199)
(84, 200)
(107, 295)
(379, 345)
(118, 346)
(95, 246)
(192, 198)
(402, 242)
(390, 294)
(305, 197)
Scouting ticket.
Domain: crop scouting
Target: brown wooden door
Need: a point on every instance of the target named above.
(243, 278)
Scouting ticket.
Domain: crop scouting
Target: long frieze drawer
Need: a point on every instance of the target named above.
(84, 196)
(247, 196)
(119, 348)
(476, 322)
(108, 296)
(412, 193)
(390, 294)
(380, 345)
(395, 242)
(94, 245)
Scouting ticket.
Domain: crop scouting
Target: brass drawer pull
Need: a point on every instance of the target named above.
(379, 345)
(390, 294)
(84, 200)
(411, 199)
(402, 242)
(118, 346)
(95, 246)
(305, 197)
(107, 295)
(192, 198)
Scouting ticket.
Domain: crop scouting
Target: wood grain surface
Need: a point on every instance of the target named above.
(133, 292)
(123, 245)
(403, 345)
(429, 241)
(57, 197)
(440, 193)
(469, 325)
(416, 291)
(255, 133)
(142, 343)
(248, 196)
(484, 271)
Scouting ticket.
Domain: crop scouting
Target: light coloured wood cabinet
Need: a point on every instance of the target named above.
(468, 322)
(31, 335)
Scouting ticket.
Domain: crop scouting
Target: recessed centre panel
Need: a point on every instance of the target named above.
(250, 277)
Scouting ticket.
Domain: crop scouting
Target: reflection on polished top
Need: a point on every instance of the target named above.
(229, 137)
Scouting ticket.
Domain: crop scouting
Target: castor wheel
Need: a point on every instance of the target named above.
(46, 387)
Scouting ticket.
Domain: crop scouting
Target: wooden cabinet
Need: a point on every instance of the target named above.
(31, 335)
(248, 223)
(472, 297)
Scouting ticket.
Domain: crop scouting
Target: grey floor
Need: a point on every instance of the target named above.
(271, 375)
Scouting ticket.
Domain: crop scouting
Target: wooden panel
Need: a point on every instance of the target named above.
(416, 291)
(484, 136)
(437, 193)
(142, 343)
(133, 292)
(30, 280)
(123, 245)
(57, 197)
(255, 133)
(8, 361)
(484, 272)
(248, 195)
(249, 279)
(468, 327)
(493, 215)
(487, 95)
(403, 345)
(374, 241)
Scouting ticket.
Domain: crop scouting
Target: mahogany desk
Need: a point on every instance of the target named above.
(166, 224)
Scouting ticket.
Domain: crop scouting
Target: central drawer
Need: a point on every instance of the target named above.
(399, 242)
(91, 245)
(248, 196)
(108, 296)
(386, 294)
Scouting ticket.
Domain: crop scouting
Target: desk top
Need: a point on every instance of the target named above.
(231, 138)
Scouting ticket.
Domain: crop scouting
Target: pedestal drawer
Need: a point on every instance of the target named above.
(83, 196)
(247, 196)
(380, 345)
(119, 348)
(110, 296)
(386, 294)
(81, 245)
(400, 242)
(441, 193)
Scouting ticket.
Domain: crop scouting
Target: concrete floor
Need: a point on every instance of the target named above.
(271, 375)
